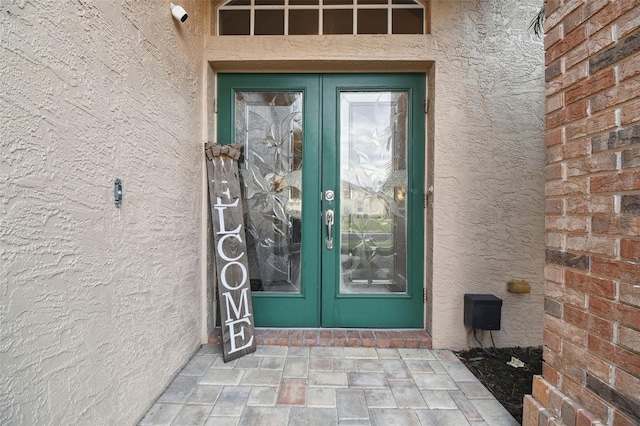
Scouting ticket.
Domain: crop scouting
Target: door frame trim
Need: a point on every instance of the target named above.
(210, 69)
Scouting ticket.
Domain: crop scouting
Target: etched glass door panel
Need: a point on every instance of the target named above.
(269, 125)
(373, 186)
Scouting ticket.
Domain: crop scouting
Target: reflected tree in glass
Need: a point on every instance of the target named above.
(373, 185)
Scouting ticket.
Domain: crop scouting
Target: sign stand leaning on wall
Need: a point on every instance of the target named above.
(232, 272)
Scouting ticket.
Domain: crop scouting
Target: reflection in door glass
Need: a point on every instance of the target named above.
(269, 125)
(373, 186)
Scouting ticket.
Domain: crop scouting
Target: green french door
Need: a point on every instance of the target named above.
(333, 181)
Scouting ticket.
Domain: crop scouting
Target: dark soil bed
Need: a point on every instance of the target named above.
(508, 384)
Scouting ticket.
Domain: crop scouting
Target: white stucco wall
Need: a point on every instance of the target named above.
(489, 161)
(485, 148)
(99, 306)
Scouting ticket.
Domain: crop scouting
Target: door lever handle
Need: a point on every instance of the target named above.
(329, 220)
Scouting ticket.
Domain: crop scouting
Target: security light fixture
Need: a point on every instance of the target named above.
(179, 13)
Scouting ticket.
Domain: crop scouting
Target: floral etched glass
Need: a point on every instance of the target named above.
(269, 125)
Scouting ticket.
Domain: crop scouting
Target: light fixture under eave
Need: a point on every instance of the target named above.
(178, 12)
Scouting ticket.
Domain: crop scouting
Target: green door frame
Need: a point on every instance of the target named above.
(319, 303)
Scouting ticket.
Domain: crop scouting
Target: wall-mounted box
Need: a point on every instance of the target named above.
(482, 311)
(518, 287)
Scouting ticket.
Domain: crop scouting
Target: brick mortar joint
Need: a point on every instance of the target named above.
(337, 338)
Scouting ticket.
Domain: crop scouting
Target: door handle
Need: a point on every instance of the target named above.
(329, 220)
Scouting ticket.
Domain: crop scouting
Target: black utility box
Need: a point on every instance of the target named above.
(482, 311)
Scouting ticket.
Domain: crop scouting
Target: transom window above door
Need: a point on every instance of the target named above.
(321, 17)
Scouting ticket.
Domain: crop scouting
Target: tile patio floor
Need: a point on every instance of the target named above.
(298, 385)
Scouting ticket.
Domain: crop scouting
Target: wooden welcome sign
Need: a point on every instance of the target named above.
(234, 291)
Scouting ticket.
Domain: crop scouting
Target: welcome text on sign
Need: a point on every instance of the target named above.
(233, 276)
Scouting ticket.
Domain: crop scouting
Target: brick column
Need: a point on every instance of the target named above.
(591, 371)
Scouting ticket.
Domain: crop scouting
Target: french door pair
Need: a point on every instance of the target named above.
(332, 176)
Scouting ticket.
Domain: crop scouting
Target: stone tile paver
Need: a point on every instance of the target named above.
(265, 416)
(444, 355)
(296, 367)
(321, 397)
(293, 392)
(387, 353)
(369, 353)
(219, 363)
(474, 390)
(263, 396)
(321, 364)
(359, 422)
(379, 398)
(205, 394)
(261, 378)
(407, 395)
(210, 350)
(442, 417)
(161, 414)
(439, 399)
(437, 367)
(249, 362)
(351, 404)
(370, 365)
(458, 372)
(345, 364)
(326, 352)
(192, 415)
(466, 406)
(493, 412)
(394, 416)
(395, 369)
(298, 351)
(197, 366)
(367, 380)
(272, 363)
(271, 351)
(222, 421)
(434, 381)
(313, 416)
(214, 376)
(232, 401)
(408, 353)
(325, 378)
(420, 366)
(324, 385)
(179, 390)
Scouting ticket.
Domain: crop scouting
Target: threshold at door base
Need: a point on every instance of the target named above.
(336, 337)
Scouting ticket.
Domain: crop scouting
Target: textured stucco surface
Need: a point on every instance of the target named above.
(489, 161)
(99, 306)
(486, 132)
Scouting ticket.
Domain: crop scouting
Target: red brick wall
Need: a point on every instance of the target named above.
(591, 371)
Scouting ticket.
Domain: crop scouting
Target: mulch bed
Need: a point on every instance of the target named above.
(508, 384)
